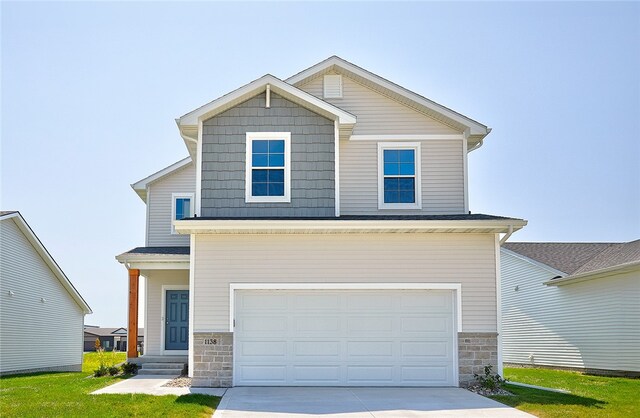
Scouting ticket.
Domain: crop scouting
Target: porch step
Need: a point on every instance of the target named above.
(167, 372)
(158, 359)
(173, 366)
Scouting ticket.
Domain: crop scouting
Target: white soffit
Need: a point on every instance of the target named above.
(476, 130)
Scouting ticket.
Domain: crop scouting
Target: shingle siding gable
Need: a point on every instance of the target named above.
(312, 159)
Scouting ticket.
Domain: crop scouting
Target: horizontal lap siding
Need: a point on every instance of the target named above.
(592, 324)
(360, 258)
(442, 178)
(34, 334)
(378, 114)
(160, 204)
(155, 317)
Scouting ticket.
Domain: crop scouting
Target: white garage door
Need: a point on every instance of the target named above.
(344, 338)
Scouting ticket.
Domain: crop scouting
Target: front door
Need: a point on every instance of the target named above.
(176, 332)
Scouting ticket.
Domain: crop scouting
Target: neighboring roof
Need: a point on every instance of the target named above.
(160, 250)
(109, 332)
(448, 116)
(44, 254)
(579, 259)
(140, 186)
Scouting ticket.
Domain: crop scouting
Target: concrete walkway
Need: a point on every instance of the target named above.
(152, 385)
(359, 403)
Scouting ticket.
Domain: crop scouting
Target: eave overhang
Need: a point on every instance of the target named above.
(596, 274)
(255, 226)
(154, 261)
(188, 124)
(141, 186)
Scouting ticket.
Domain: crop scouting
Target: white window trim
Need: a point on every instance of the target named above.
(175, 196)
(251, 136)
(418, 162)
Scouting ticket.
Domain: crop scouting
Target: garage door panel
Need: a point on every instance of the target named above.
(264, 324)
(370, 349)
(341, 338)
(321, 350)
(433, 324)
(311, 302)
(367, 325)
(316, 323)
(426, 350)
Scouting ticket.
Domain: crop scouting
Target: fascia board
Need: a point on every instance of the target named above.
(596, 274)
(338, 226)
(476, 128)
(48, 259)
(141, 185)
(249, 90)
(152, 258)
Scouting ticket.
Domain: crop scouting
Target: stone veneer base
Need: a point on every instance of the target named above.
(213, 357)
(475, 351)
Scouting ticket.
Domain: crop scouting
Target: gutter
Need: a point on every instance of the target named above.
(608, 271)
(507, 235)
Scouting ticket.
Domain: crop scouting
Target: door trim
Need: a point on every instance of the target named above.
(455, 287)
(163, 312)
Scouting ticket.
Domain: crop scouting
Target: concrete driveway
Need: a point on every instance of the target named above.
(291, 402)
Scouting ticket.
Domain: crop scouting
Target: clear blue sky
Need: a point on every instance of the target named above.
(90, 92)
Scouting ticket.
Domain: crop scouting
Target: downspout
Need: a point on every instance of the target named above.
(184, 136)
(507, 235)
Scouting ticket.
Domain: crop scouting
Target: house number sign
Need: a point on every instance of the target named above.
(210, 341)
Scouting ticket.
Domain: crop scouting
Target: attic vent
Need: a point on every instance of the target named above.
(332, 86)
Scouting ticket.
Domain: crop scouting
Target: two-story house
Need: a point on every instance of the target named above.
(319, 234)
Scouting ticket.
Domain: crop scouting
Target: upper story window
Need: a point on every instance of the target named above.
(268, 170)
(181, 207)
(399, 176)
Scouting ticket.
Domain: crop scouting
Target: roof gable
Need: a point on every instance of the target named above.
(140, 186)
(13, 216)
(475, 130)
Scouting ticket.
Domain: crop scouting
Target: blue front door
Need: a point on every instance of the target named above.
(176, 333)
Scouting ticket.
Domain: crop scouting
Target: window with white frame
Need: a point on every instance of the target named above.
(268, 167)
(399, 176)
(181, 207)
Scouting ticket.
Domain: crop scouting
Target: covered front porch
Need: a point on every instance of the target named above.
(166, 300)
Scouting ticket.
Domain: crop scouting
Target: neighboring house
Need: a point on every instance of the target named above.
(110, 338)
(41, 313)
(319, 234)
(573, 305)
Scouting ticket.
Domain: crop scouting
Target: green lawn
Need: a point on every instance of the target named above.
(67, 395)
(591, 396)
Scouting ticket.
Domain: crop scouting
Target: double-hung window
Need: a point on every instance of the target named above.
(268, 169)
(399, 176)
(181, 207)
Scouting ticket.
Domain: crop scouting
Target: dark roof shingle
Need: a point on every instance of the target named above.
(160, 250)
(574, 258)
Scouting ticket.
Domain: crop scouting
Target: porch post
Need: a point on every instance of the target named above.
(132, 330)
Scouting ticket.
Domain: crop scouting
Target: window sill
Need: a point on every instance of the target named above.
(400, 206)
(267, 199)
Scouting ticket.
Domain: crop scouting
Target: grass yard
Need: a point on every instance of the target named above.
(591, 396)
(67, 395)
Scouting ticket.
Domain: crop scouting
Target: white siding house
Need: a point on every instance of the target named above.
(324, 239)
(581, 313)
(41, 313)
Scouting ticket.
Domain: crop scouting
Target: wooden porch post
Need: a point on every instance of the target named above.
(132, 330)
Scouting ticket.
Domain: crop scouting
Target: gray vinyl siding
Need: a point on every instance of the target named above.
(160, 203)
(312, 159)
(442, 184)
(468, 259)
(376, 113)
(155, 279)
(35, 334)
(592, 324)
